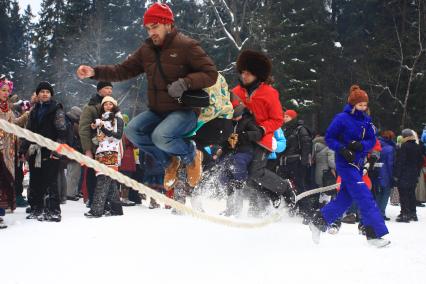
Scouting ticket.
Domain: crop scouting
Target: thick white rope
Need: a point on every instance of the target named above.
(316, 190)
(70, 153)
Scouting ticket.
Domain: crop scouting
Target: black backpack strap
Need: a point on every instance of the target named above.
(160, 67)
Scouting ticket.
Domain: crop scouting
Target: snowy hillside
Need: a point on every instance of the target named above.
(154, 246)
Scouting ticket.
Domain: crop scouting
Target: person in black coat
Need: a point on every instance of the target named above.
(409, 161)
(47, 118)
(296, 160)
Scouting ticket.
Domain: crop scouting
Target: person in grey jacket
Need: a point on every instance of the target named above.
(324, 160)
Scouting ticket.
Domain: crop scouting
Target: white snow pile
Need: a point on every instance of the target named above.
(155, 246)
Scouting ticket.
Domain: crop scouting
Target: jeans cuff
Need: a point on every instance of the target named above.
(189, 158)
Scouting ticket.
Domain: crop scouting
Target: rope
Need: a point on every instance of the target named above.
(316, 190)
(70, 153)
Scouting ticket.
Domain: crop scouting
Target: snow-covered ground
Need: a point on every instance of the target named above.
(154, 246)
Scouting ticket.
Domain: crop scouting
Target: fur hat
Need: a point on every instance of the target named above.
(256, 63)
(158, 13)
(357, 95)
(45, 86)
(291, 113)
(102, 85)
(109, 99)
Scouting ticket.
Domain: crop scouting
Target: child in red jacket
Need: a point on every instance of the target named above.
(262, 101)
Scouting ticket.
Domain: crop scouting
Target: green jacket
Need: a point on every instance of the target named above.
(91, 111)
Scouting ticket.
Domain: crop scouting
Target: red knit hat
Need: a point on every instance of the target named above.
(357, 95)
(158, 13)
(291, 113)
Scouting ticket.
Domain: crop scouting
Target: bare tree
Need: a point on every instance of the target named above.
(408, 61)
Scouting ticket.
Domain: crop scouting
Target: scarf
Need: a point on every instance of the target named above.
(4, 106)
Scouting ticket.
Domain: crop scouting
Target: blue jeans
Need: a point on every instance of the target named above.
(352, 189)
(382, 198)
(162, 135)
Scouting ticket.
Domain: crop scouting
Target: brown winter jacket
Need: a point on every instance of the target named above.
(180, 56)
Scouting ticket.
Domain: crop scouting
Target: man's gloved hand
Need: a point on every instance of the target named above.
(233, 140)
(355, 146)
(347, 154)
(177, 88)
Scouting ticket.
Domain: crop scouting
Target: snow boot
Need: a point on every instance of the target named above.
(21, 202)
(349, 218)
(53, 217)
(403, 218)
(91, 215)
(127, 202)
(34, 214)
(317, 225)
(373, 240)
(2, 224)
(194, 170)
(170, 174)
(116, 208)
(153, 204)
(413, 217)
(361, 229)
(334, 228)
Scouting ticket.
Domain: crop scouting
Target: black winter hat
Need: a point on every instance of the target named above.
(45, 86)
(103, 84)
(256, 63)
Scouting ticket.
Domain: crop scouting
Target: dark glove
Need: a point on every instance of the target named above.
(347, 154)
(355, 146)
(177, 88)
(244, 138)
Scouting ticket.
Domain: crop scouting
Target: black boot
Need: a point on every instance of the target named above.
(361, 229)
(403, 218)
(116, 209)
(317, 225)
(413, 217)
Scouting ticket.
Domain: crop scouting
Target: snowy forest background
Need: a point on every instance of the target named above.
(318, 48)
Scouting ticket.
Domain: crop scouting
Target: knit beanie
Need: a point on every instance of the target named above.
(357, 95)
(102, 85)
(158, 13)
(109, 99)
(291, 113)
(45, 86)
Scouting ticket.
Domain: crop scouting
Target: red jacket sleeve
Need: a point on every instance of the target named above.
(275, 111)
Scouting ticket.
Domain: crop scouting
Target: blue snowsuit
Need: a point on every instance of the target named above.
(347, 127)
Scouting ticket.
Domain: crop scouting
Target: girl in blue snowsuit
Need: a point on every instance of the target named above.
(351, 135)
